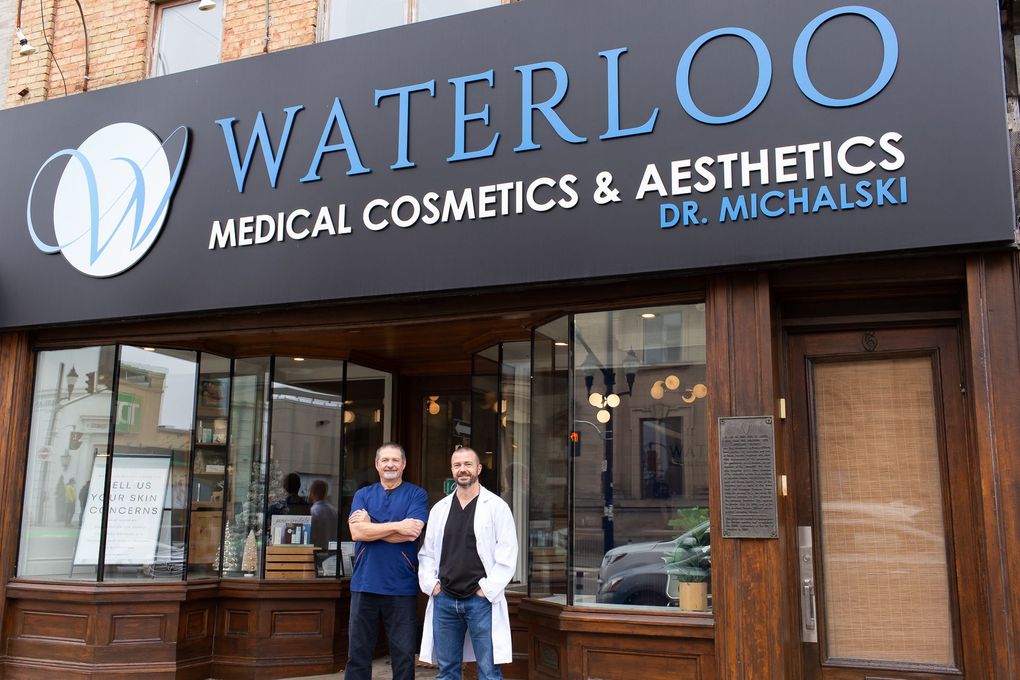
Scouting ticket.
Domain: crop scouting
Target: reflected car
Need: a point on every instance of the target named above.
(636, 574)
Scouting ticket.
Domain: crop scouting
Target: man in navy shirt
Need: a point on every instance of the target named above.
(386, 520)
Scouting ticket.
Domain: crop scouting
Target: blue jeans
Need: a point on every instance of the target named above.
(451, 618)
(399, 615)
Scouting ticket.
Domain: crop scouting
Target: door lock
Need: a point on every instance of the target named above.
(808, 613)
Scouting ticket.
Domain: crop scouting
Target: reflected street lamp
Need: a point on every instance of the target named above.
(610, 400)
(72, 378)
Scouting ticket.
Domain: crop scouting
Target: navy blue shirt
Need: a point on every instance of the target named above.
(388, 568)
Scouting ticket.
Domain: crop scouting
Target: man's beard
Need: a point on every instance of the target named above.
(470, 480)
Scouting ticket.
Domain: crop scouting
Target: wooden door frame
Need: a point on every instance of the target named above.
(959, 483)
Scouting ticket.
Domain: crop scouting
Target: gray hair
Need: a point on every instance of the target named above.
(391, 445)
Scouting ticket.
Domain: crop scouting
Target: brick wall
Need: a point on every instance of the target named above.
(120, 33)
(292, 23)
(28, 78)
(6, 40)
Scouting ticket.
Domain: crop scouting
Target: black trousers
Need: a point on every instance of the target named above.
(399, 615)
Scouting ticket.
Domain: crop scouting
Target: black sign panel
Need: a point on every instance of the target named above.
(747, 472)
(533, 142)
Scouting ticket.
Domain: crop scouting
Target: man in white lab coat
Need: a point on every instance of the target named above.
(468, 558)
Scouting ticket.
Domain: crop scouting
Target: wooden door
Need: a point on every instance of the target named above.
(888, 546)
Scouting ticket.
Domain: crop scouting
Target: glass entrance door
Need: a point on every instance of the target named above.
(884, 559)
(445, 426)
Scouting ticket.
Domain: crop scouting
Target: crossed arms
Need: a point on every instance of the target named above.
(364, 529)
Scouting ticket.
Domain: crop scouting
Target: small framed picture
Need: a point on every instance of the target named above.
(212, 392)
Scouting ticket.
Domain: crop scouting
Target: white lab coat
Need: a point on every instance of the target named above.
(496, 541)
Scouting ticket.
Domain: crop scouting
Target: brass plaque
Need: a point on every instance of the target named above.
(747, 471)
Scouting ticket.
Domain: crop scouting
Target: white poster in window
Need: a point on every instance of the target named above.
(137, 493)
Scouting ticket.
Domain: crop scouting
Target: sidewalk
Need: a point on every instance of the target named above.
(380, 671)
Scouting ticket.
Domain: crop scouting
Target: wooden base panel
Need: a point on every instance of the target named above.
(174, 631)
(575, 644)
(35, 669)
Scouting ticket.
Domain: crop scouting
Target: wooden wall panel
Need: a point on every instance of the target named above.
(299, 623)
(747, 575)
(50, 625)
(133, 628)
(195, 635)
(579, 643)
(276, 629)
(84, 631)
(16, 376)
(608, 664)
(993, 305)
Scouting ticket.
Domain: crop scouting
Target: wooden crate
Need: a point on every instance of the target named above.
(290, 561)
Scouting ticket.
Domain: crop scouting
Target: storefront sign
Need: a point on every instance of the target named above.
(137, 493)
(533, 142)
(747, 471)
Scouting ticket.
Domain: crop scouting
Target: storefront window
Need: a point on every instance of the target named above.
(500, 418)
(240, 468)
(209, 467)
(547, 518)
(247, 474)
(148, 482)
(367, 425)
(640, 469)
(351, 17)
(513, 425)
(304, 468)
(485, 414)
(69, 433)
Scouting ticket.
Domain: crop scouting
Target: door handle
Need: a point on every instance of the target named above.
(808, 595)
(806, 560)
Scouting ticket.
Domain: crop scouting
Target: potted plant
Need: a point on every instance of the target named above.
(686, 519)
(689, 568)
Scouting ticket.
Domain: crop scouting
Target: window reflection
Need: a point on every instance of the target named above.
(304, 468)
(209, 467)
(433, 9)
(145, 515)
(367, 424)
(248, 460)
(547, 520)
(500, 418)
(69, 432)
(640, 471)
(514, 422)
(187, 38)
(351, 17)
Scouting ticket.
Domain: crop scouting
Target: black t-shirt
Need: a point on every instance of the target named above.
(460, 568)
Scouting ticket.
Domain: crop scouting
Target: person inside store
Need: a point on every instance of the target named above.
(324, 516)
(386, 520)
(293, 503)
(466, 562)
